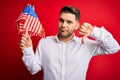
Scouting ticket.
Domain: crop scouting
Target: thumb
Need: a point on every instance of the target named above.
(27, 34)
(83, 39)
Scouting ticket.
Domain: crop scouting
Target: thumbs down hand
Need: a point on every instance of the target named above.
(85, 30)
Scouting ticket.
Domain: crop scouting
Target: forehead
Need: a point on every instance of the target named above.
(67, 16)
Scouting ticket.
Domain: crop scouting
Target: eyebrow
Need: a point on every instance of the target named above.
(69, 21)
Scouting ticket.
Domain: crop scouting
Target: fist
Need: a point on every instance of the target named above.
(85, 30)
(25, 41)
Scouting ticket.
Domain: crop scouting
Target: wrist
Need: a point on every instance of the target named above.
(95, 33)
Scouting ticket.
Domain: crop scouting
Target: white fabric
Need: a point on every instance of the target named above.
(70, 60)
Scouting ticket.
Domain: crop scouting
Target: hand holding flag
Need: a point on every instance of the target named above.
(25, 41)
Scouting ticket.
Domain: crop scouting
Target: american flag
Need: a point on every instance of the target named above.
(29, 21)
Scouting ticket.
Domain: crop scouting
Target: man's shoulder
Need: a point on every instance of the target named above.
(49, 37)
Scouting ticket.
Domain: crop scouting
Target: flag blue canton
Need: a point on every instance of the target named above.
(30, 11)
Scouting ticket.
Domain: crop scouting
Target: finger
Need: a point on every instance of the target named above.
(24, 38)
(27, 34)
(83, 39)
(88, 25)
(23, 42)
(28, 37)
(83, 27)
(84, 32)
(22, 47)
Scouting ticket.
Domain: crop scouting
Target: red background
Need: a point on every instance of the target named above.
(97, 12)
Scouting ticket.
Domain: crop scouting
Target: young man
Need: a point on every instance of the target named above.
(66, 56)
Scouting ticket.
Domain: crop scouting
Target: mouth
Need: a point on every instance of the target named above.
(62, 30)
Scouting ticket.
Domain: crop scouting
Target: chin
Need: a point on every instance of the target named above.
(64, 35)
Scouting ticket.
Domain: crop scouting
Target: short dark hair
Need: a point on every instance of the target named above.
(71, 9)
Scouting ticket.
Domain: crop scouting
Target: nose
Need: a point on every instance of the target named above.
(64, 24)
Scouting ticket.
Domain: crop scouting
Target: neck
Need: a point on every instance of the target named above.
(65, 39)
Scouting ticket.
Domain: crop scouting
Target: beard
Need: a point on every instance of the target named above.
(64, 34)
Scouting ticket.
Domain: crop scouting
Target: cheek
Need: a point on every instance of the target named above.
(72, 27)
(59, 24)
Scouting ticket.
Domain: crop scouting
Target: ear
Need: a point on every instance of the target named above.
(77, 25)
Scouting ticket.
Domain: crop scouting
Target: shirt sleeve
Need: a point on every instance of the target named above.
(33, 60)
(104, 44)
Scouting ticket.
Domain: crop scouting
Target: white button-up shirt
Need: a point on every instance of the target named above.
(70, 60)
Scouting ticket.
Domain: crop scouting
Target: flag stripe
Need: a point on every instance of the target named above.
(22, 16)
(33, 21)
(39, 29)
(35, 25)
(28, 21)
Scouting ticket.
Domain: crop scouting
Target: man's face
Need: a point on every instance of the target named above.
(67, 24)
